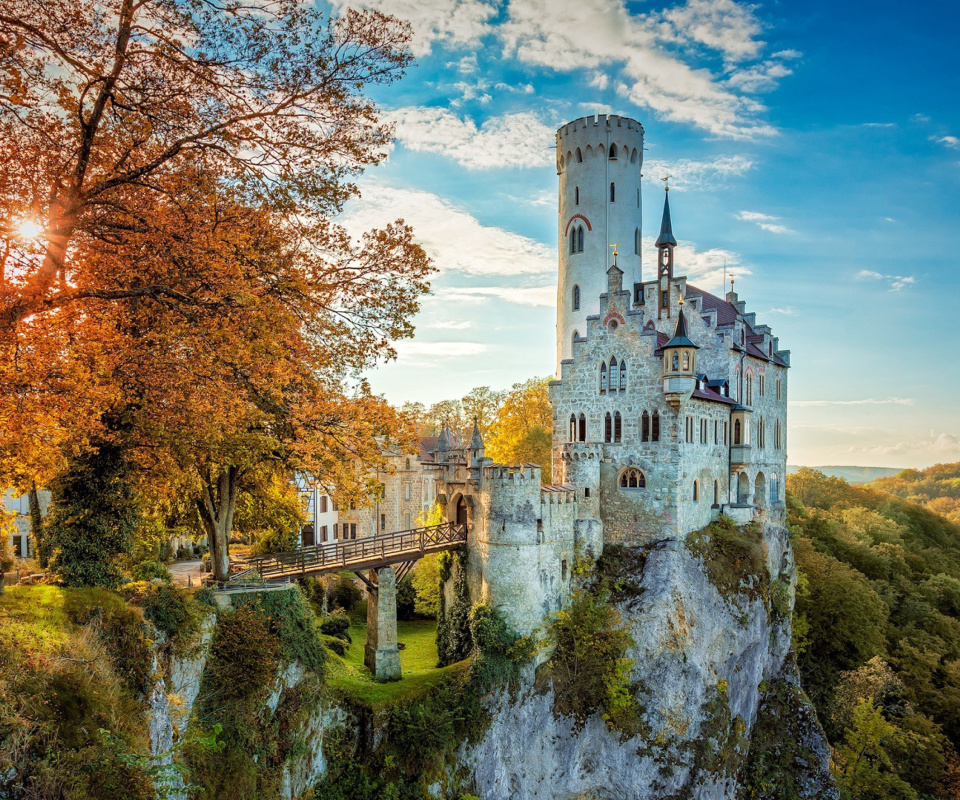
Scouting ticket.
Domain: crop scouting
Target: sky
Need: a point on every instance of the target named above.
(814, 147)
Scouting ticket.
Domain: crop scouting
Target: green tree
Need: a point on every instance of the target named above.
(94, 516)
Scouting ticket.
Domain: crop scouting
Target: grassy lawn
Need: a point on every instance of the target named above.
(418, 661)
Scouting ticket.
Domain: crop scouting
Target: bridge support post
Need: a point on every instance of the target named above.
(381, 654)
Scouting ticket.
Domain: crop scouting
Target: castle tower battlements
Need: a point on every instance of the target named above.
(599, 161)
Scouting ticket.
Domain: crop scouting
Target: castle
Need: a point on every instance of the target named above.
(669, 405)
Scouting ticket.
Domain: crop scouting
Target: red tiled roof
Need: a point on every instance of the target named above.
(713, 397)
(427, 445)
(726, 312)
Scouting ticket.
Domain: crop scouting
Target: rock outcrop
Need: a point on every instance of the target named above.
(705, 660)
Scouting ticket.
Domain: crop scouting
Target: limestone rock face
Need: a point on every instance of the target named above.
(704, 661)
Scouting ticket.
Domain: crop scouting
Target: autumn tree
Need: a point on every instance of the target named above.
(523, 427)
(186, 161)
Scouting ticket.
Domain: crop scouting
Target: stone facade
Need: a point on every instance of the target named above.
(408, 494)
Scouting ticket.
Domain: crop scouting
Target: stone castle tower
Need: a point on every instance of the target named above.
(599, 160)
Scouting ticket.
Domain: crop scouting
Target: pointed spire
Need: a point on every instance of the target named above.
(443, 443)
(476, 443)
(680, 338)
(666, 226)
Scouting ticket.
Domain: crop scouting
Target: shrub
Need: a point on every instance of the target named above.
(338, 646)
(454, 642)
(337, 625)
(499, 653)
(406, 599)
(292, 621)
(148, 570)
(121, 630)
(343, 594)
(244, 656)
(735, 558)
(589, 667)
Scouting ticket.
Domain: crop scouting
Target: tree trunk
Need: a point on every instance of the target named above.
(217, 505)
(41, 541)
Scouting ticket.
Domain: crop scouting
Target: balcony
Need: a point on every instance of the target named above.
(740, 455)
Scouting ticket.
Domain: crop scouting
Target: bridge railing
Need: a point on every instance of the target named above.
(367, 552)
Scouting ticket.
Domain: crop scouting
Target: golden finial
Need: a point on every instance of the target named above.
(666, 184)
(615, 245)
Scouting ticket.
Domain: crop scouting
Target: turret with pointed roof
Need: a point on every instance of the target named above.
(680, 338)
(666, 226)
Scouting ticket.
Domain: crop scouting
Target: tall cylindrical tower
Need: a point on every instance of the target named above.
(599, 161)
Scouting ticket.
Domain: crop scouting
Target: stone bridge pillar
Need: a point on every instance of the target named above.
(381, 654)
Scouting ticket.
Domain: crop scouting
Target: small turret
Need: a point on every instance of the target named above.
(443, 444)
(476, 445)
(679, 363)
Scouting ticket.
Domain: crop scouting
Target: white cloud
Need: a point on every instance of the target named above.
(867, 401)
(786, 311)
(447, 22)
(762, 77)
(704, 268)
(544, 296)
(686, 173)
(601, 36)
(788, 54)
(896, 282)
(406, 348)
(933, 448)
(952, 142)
(454, 238)
(452, 325)
(767, 222)
(511, 140)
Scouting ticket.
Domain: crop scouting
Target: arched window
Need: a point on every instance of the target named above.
(608, 428)
(582, 421)
(580, 239)
(617, 426)
(573, 240)
(632, 478)
(573, 427)
(779, 389)
(749, 397)
(636, 241)
(736, 432)
(777, 435)
(774, 489)
(576, 298)
(574, 337)
(645, 427)
(686, 360)
(623, 376)
(655, 427)
(675, 362)
(579, 156)
(603, 378)
(614, 375)
(633, 156)
(716, 493)
(613, 192)
(696, 491)
(406, 522)
(613, 152)
(408, 464)
(576, 195)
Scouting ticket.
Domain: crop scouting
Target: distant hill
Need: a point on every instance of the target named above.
(851, 474)
(936, 487)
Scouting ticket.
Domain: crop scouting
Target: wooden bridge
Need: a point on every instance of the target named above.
(372, 552)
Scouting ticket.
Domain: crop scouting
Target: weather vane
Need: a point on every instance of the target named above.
(615, 245)
(666, 185)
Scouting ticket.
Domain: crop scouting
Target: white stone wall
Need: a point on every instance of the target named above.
(605, 223)
(666, 506)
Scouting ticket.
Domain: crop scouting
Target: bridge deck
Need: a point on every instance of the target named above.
(372, 552)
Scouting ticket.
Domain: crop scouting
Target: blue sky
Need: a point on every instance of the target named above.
(814, 147)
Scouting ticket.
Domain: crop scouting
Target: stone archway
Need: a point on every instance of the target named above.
(460, 513)
(760, 491)
(743, 489)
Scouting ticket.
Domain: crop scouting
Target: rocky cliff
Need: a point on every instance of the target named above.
(711, 667)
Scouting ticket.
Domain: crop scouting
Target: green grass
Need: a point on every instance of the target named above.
(418, 662)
